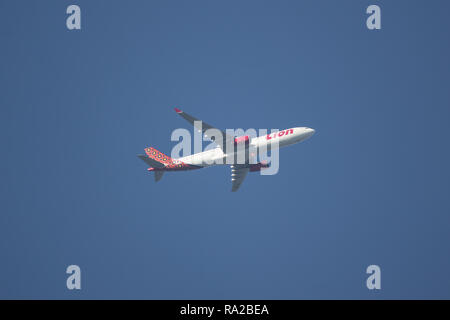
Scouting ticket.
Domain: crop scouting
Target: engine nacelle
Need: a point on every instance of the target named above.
(241, 140)
(258, 166)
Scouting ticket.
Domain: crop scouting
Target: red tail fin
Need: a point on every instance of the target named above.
(158, 156)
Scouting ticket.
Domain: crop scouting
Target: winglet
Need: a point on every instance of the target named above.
(178, 110)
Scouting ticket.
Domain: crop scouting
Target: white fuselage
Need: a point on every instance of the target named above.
(271, 141)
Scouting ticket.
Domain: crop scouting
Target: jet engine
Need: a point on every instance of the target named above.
(258, 166)
(241, 140)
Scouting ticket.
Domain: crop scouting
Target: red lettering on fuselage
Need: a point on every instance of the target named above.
(279, 134)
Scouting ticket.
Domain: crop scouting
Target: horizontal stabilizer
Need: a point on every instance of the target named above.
(151, 162)
(158, 175)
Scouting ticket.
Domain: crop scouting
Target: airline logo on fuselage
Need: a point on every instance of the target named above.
(279, 134)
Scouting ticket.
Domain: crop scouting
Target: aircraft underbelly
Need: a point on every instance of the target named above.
(205, 158)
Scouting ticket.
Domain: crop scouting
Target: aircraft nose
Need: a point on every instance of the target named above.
(310, 132)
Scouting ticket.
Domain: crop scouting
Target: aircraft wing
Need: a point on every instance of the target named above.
(238, 174)
(204, 126)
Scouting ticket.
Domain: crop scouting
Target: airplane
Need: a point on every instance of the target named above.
(160, 163)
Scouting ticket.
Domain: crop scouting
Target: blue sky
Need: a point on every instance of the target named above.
(370, 187)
